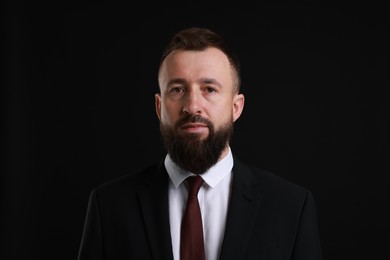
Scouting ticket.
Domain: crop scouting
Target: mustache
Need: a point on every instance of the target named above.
(193, 119)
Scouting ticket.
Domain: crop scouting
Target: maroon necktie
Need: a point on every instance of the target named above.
(191, 242)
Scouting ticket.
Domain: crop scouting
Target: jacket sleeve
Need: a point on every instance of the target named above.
(91, 246)
(307, 243)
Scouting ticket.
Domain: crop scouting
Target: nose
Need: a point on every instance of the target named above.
(192, 103)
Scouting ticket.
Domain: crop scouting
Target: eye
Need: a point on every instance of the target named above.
(210, 89)
(175, 90)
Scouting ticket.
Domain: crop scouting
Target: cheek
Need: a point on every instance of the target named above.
(222, 114)
(169, 112)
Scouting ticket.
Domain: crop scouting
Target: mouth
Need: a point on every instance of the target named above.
(194, 128)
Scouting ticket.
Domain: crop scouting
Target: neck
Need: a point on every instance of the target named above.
(224, 153)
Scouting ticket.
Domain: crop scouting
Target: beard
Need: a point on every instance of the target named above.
(189, 151)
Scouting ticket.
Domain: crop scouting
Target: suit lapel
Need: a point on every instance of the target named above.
(154, 205)
(244, 206)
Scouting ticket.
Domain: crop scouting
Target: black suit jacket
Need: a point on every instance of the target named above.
(268, 218)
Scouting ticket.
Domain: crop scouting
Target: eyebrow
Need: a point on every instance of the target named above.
(201, 80)
(210, 81)
(177, 81)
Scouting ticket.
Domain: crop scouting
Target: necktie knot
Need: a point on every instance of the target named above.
(194, 184)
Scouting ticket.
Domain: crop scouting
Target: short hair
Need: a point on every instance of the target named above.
(196, 38)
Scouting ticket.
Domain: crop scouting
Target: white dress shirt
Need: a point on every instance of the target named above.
(213, 199)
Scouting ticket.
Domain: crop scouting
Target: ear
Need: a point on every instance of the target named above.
(157, 98)
(238, 106)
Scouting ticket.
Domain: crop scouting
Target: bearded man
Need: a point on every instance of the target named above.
(200, 202)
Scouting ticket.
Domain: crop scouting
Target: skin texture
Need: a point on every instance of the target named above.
(197, 83)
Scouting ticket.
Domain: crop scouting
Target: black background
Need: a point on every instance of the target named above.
(78, 110)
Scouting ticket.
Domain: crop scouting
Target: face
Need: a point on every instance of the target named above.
(197, 96)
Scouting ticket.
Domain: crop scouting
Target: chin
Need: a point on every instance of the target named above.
(197, 136)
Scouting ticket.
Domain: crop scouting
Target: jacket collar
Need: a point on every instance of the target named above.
(244, 205)
(154, 205)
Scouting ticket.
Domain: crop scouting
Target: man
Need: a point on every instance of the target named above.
(246, 213)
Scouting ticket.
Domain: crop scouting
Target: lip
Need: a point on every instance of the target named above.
(194, 127)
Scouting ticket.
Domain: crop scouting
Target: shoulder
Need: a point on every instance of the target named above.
(270, 184)
(131, 182)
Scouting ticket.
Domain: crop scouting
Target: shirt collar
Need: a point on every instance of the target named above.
(212, 177)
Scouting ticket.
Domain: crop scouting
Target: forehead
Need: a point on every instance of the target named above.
(191, 65)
